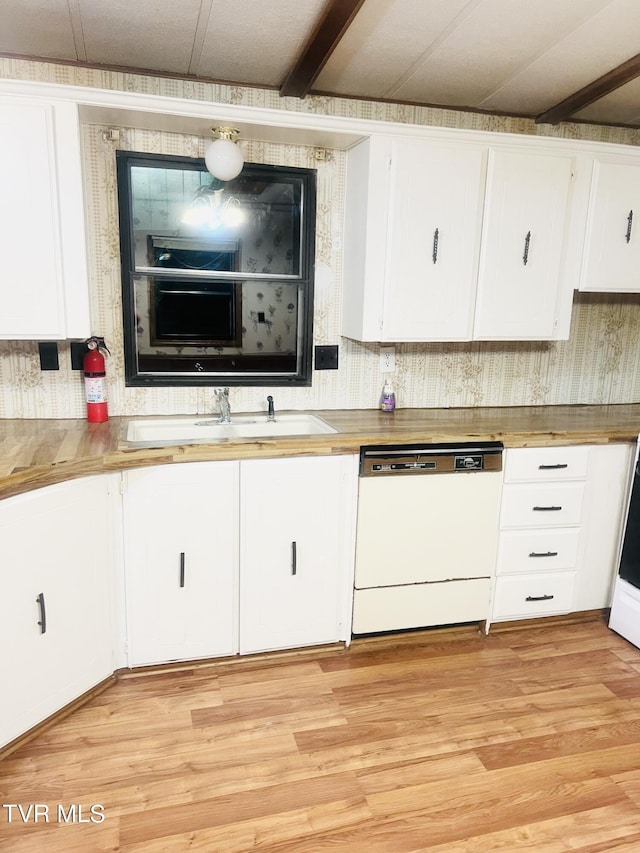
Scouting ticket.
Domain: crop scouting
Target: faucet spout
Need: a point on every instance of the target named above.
(224, 407)
(271, 412)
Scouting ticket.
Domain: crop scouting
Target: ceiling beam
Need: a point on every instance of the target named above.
(609, 82)
(322, 42)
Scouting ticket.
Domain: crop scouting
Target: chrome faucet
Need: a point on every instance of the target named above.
(271, 412)
(224, 407)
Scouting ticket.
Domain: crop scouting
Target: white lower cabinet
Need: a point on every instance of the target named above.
(57, 552)
(295, 551)
(522, 551)
(560, 528)
(610, 469)
(530, 595)
(222, 557)
(181, 558)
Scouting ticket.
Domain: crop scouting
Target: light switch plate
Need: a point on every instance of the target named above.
(326, 358)
(387, 359)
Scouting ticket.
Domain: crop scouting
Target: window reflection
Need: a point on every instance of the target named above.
(261, 216)
(217, 276)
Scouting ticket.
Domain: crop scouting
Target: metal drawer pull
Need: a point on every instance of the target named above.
(543, 554)
(627, 236)
(527, 241)
(294, 558)
(43, 613)
(547, 508)
(182, 568)
(539, 598)
(552, 467)
(436, 237)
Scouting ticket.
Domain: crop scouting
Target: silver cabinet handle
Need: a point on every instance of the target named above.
(547, 508)
(539, 598)
(627, 236)
(527, 241)
(553, 467)
(43, 613)
(436, 238)
(543, 554)
(294, 558)
(181, 569)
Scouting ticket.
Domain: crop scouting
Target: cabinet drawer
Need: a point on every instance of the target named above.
(540, 594)
(538, 550)
(544, 464)
(557, 505)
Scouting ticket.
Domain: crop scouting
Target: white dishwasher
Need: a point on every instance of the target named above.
(427, 534)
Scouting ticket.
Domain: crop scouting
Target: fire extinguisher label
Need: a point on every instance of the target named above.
(96, 389)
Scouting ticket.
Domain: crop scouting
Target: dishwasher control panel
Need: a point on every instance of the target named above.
(386, 467)
(474, 462)
(383, 460)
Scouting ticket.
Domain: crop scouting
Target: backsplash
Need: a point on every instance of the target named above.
(599, 364)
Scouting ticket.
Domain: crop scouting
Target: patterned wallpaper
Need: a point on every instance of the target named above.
(599, 364)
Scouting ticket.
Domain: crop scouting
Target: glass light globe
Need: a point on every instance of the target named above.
(224, 159)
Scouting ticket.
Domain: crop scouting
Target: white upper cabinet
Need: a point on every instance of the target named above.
(44, 291)
(438, 247)
(612, 246)
(433, 240)
(412, 236)
(520, 288)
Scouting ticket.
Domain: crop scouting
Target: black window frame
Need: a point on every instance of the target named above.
(257, 371)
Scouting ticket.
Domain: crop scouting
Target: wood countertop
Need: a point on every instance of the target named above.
(35, 453)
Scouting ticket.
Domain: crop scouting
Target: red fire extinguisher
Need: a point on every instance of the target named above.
(95, 381)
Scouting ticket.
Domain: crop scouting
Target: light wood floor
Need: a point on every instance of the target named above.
(526, 740)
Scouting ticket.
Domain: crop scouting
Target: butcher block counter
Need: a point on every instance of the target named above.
(35, 453)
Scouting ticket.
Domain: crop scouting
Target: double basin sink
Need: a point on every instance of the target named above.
(151, 432)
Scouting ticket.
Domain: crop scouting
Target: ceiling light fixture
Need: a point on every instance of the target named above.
(223, 156)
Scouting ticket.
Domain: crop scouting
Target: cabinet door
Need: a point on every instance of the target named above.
(296, 536)
(434, 236)
(42, 233)
(610, 471)
(32, 298)
(612, 247)
(181, 529)
(520, 283)
(56, 615)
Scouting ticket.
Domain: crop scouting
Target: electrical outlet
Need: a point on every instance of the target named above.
(387, 359)
(78, 352)
(48, 352)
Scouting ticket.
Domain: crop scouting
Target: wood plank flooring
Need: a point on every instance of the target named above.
(526, 741)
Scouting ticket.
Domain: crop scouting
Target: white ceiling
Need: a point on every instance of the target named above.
(507, 56)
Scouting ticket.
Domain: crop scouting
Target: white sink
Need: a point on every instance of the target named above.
(203, 430)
